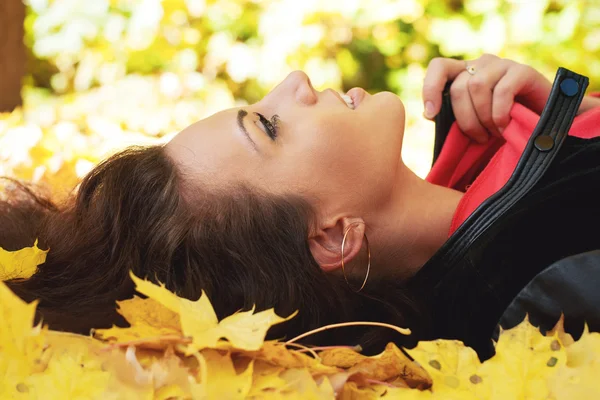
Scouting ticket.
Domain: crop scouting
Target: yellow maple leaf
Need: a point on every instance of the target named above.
(21, 264)
(77, 366)
(152, 324)
(170, 392)
(352, 391)
(300, 384)
(69, 375)
(266, 381)
(274, 358)
(17, 319)
(451, 364)
(275, 382)
(523, 362)
(21, 344)
(221, 380)
(243, 330)
(559, 329)
(150, 374)
(578, 379)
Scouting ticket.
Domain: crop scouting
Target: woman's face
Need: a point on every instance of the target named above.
(340, 159)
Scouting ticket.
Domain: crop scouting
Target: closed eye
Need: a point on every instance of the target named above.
(271, 126)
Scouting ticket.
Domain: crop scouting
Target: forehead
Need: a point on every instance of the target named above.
(212, 148)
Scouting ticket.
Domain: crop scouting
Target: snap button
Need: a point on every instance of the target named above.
(544, 143)
(569, 87)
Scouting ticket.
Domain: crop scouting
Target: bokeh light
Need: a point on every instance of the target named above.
(106, 74)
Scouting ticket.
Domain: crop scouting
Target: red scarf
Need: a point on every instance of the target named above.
(479, 170)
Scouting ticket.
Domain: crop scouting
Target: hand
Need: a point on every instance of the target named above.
(482, 99)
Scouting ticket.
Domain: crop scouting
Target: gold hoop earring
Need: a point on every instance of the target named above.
(368, 255)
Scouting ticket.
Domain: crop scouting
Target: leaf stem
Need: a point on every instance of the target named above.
(357, 348)
(403, 331)
(303, 349)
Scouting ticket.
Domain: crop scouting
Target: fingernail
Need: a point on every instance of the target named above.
(429, 110)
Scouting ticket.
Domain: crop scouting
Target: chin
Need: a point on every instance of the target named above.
(392, 106)
(386, 116)
(390, 110)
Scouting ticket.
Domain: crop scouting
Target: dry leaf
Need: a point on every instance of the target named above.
(278, 354)
(300, 384)
(559, 330)
(266, 381)
(524, 359)
(353, 392)
(243, 330)
(69, 375)
(96, 361)
(21, 264)
(37, 363)
(579, 378)
(154, 373)
(152, 324)
(171, 392)
(392, 364)
(222, 380)
(21, 345)
(343, 357)
(452, 366)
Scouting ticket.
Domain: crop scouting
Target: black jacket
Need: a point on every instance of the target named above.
(548, 210)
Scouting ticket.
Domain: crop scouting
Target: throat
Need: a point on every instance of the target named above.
(417, 224)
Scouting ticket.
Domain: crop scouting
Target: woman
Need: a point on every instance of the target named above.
(300, 201)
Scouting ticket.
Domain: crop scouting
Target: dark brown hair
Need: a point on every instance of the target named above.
(138, 211)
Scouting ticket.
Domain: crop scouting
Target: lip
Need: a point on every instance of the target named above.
(336, 94)
(357, 95)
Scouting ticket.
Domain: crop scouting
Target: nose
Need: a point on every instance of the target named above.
(298, 83)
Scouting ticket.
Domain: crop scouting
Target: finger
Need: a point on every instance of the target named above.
(481, 86)
(463, 109)
(439, 71)
(535, 88)
(504, 96)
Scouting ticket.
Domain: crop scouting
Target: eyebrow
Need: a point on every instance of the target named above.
(240, 121)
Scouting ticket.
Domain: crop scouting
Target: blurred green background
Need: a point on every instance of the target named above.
(103, 74)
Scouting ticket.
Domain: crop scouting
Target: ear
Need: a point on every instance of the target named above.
(326, 243)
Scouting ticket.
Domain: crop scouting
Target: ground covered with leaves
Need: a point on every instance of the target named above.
(178, 349)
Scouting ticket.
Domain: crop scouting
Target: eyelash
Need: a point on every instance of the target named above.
(272, 126)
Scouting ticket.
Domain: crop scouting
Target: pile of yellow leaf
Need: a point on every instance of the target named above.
(177, 349)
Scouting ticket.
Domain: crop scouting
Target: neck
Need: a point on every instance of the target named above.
(413, 226)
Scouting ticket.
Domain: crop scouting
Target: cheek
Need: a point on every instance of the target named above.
(334, 143)
(337, 155)
(317, 157)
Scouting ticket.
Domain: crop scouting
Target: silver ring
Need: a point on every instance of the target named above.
(470, 68)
